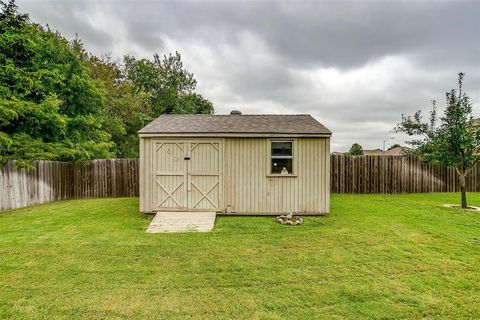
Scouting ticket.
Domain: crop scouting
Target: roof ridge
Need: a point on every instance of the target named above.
(236, 115)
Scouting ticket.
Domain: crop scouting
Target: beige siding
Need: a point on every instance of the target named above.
(144, 173)
(247, 186)
(250, 189)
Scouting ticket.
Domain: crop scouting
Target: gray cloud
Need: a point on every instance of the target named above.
(356, 66)
(334, 34)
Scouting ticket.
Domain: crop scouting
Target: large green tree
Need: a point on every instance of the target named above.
(59, 102)
(125, 109)
(167, 84)
(49, 106)
(454, 140)
(137, 91)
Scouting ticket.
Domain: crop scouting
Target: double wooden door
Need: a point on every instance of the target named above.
(187, 175)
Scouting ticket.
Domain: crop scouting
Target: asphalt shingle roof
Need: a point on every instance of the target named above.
(300, 124)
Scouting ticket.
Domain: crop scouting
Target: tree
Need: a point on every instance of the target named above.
(125, 109)
(49, 107)
(168, 86)
(59, 102)
(396, 145)
(140, 90)
(453, 141)
(355, 150)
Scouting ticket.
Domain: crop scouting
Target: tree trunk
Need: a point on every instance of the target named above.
(462, 189)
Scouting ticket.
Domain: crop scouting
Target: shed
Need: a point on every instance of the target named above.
(235, 164)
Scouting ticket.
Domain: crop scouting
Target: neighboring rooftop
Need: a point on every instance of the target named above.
(236, 123)
(374, 152)
(476, 122)
(397, 151)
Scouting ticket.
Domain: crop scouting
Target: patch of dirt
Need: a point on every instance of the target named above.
(457, 206)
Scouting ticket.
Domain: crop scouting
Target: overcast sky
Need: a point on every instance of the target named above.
(355, 66)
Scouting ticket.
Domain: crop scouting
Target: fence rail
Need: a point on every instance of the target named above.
(50, 181)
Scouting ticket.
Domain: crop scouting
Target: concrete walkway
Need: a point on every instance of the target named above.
(182, 222)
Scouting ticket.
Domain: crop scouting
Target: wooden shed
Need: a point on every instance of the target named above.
(235, 164)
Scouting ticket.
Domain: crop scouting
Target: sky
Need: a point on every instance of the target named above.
(356, 66)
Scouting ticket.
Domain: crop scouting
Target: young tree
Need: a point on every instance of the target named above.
(454, 141)
(355, 150)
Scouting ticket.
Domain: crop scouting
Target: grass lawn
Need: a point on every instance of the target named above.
(374, 256)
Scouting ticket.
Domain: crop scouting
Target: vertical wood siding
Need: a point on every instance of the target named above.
(249, 188)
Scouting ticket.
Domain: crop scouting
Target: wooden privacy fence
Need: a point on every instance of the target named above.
(394, 174)
(50, 181)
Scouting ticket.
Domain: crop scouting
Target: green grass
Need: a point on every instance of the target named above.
(374, 256)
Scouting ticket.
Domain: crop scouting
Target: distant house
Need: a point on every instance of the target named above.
(398, 151)
(476, 122)
(374, 152)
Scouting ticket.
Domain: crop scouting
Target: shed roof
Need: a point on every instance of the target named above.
(295, 124)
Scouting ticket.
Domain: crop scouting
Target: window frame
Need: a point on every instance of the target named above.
(272, 157)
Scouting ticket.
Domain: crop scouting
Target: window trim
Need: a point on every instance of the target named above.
(271, 157)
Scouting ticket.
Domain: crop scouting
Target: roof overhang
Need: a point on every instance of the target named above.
(233, 135)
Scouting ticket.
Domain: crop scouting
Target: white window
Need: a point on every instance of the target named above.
(281, 157)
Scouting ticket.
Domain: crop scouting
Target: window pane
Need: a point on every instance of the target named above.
(281, 148)
(279, 164)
